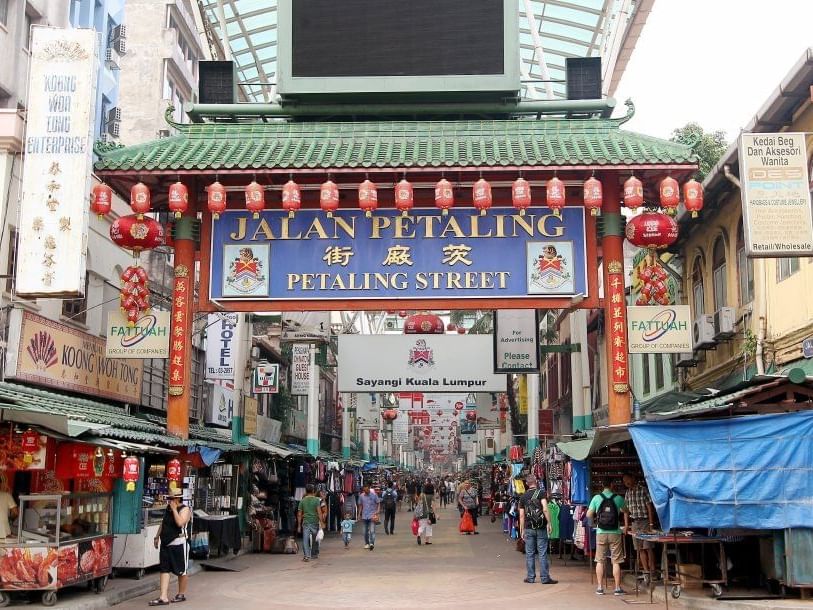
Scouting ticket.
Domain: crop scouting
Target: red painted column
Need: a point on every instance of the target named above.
(615, 307)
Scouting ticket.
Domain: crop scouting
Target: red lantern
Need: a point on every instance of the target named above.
(404, 199)
(669, 195)
(693, 197)
(174, 470)
(423, 324)
(131, 472)
(555, 195)
(652, 230)
(137, 234)
(521, 195)
(216, 199)
(461, 330)
(451, 327)
(329, 197)
(633, 193)
(458, 406)
(481, 195)
(291, 198)
(178, 198)
(389, 414)
(255, 198)
(471, 415)
(101, 199)
(368, 197)
(402, 314)
(593, 196)
(140, 199)
(444, 196)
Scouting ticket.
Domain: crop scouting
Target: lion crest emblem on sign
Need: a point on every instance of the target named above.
(245, 272)
(421, 356)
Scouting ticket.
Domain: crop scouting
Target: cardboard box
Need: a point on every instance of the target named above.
(691, 576)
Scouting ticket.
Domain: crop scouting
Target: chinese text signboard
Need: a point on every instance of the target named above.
(389, 256)
(181, 293)
(776, 205)
(617, 328)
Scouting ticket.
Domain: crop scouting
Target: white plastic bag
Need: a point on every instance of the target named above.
(320, 535)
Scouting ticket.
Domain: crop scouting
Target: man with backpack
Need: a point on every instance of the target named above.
(389, 500)
(605, 511)
(534, 527)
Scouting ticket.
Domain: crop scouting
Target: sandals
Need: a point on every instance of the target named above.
(178, 599)
(158, 602)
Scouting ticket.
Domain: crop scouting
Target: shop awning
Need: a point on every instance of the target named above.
(271, 448)
(597, 439)
(752, 471)
(132, 447)
(62, 424)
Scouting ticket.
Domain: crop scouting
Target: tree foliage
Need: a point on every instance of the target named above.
(708, 146)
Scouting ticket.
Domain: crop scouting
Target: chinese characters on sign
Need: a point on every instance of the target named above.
(617, 328)
(177, 349)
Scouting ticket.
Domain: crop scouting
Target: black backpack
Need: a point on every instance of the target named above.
(607, 516)
(534, 514)
(389, 499)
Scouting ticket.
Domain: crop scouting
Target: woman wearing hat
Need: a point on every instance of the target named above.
(173, 538)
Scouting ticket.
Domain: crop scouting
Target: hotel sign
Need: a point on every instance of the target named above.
(653, 329)
(420, 256)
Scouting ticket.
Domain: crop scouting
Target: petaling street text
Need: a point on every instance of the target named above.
(400, 227)
(429, 280)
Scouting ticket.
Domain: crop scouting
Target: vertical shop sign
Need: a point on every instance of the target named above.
(221, 343)
(177, 351)
(220, 409)
(522, 395)
(53, 223)
(617, 328)
(300, 369)
(250, 417)
(400, 428)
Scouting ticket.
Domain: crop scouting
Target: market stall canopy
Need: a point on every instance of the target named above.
(751, 472)
(272, 448)
(131, 447)
(596, 439)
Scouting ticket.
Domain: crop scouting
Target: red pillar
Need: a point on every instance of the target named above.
(180, 352)
(615, 307)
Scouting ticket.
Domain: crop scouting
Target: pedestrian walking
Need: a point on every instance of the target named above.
(389, 500)
(347, 529)
(641, 516)
(534, 528)
(173, 554)
(310, 517)
(411, 489)
(425, 516)
(429, 491)
(468, 502)
(369, 505)
(605, 510)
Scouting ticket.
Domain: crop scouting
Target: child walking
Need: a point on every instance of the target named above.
(347, 529)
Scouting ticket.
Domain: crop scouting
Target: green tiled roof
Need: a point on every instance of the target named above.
(278, 145)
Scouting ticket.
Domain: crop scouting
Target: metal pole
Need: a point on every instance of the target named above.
(313, 405)
(533, 412)
(345, 426)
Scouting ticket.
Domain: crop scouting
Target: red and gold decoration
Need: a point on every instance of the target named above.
(404, 197)
(471, 415)
(368, 197)
(669, 193)
(329, 197)
(137, 234)
(255, 198)
(131, 472)
(444, 196)
(481, 196)
(593, 196)
(461, 330)
(174, 470)
(617, 327)
(555, 195)
(521, 195)
(423, 324)
(178, 199)
(654, 230)
(216, 199)
(389, 414)
(653, 282)
(140, 199)
(101, 199)
(134, 296)
(633, 193)
(181, 293)
(291, 198)
(30, 444)
(693, 197)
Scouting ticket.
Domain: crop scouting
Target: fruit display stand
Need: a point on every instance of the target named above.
(62, 540)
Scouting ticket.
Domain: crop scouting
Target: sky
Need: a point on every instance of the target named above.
(714, 62)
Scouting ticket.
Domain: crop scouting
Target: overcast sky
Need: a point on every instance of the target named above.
(712, 61)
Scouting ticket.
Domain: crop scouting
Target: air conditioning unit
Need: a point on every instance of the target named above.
(114, 115)
(725, 319)
(703, 334)
(120, 31)
(391, 325)
(118, 39)
(163, 133)
(113, 128)
(686, 360)
(111, 59)
(107, 138)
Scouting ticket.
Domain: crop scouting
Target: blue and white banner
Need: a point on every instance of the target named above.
(389, 256)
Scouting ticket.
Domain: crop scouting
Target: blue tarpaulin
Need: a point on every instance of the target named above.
(753, 471)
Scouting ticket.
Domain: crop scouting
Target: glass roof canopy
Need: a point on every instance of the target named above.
(550, 31)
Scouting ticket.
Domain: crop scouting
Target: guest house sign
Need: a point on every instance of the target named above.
(424, 257)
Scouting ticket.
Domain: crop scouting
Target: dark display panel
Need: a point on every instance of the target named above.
(355, 38)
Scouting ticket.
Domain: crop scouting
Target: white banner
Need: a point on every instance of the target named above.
(148, 338)
(516, 341)
(265, 379)
(53, 222)
(220, 409)
(300, 369)
(366, 406)
(222, 338)
(414, 363)
(776, 206)
(400, 428)
(655, 329)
